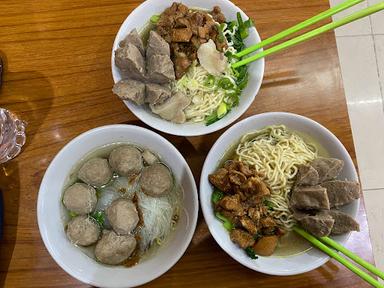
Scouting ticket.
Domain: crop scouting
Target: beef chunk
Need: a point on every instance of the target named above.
(254, 185)
(130, 90)
(248, 224)
(266, 245)
(182, 63)
(307, 175)
(220, 180)
(217, 15)
(131, 62)
(309, 197)
(319, 225)
(134, 39)
(254, 214)
(236, 177)
(343, 222)
(156, 94)
(232, 203)
(242, 238)
(327, 168)
(181, 35)
(172, 109)
(160, 69)
(157, 45)
(341, 192)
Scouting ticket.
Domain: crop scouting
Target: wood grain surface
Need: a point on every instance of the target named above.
(57, 77)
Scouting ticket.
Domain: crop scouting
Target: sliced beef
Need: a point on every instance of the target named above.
(242, 238)
(309, 197)
(341, 192)
(156, 94)
(327, 168)
(131, 62)
(172, 109)
(160, 69)
(343, 222)
(220, 180)
(307, 175)
(134, 39)
(217, 15)
(248, 224)
(157, 45)
(319, 225)
(130, 90)
(266, 245)
(181, 34)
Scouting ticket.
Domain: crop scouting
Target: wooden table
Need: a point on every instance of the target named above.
(58, 78)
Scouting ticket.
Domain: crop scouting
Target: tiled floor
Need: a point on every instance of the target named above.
(361, 52)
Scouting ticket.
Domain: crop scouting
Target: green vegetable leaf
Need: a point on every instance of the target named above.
(210, 81)
(154, 19)
(72, 214)
(251, 253)
(269, 204)
(217, 195)
(99, 217)
(225, 84)
(222, 110)
(226, 223)
(211, 119)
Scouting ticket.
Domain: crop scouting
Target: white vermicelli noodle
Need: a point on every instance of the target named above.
(277, 153)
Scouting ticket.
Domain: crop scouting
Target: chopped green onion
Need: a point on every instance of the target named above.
(211, 119)
(210, 81)
(221, 110)
(257, 236)
(99, 217)
(72, 214)
(269, 204)
(251, 253)
(226, 223)
(154, 19)
(225, 83)
(221, 37)
(217, 195)
(248, 23)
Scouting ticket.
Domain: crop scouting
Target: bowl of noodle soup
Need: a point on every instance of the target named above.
(196, 76)
(275, 144)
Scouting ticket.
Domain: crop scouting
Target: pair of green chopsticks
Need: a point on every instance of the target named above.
(320, 243)
(309, 35)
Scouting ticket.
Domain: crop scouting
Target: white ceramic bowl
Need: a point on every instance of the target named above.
(139, 17)
(289, 265)
(72, 259)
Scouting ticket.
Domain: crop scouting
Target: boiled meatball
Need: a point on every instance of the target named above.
(83, 231)
(80, 198)
(149, 157)
(95, 172)
(126, 160)
(114, 249)
(156, 180)
(123, 216)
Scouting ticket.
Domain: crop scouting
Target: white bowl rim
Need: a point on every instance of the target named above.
(224, 122)
(206, 211)
(192, 220)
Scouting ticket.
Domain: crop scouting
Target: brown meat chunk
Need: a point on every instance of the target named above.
(182, 23)
(254, 214)
(217, 15)
(181, 35)
(220, 180)
(160, 69)
(242, 238)
(236, 177)
(267, 222)
(266, 245)
(172, 108)
(255, 186)
(130, 61)
(182, 64)
(343, 222)
(319, 225)
(156, 45)
(307, 175)
(341, 192)
(130, 90)
(232, 203)
(327, 168)
(133, 38)
(156, 94)
(245, 169)
(248, 224)
(309, 197)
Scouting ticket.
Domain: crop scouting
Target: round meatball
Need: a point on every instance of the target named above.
(95, 172)
(114, 249)
(80, 198)
(126, 160)
(83, 231)
(122, 215)
(156, 180)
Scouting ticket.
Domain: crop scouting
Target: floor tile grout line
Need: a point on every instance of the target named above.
(372, 189)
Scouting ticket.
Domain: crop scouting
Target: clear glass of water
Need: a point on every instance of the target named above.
(12, 135)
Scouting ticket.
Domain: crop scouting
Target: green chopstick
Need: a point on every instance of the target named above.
(323, 15)
(353, 256)
(311, 34)
(337, 257)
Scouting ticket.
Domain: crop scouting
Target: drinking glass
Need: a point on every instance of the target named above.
(12, 135)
